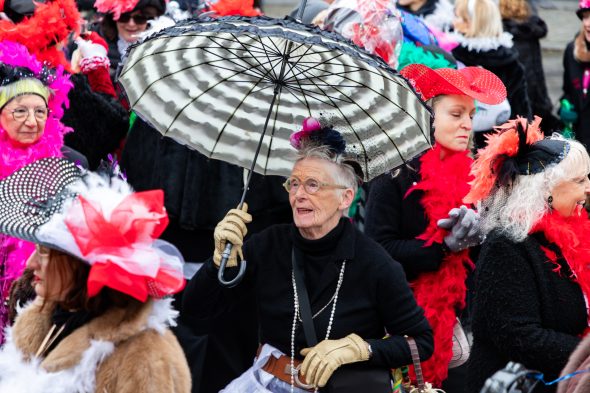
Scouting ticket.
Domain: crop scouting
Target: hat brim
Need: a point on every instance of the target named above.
(475, 82)
(32, 195)
(580, 12)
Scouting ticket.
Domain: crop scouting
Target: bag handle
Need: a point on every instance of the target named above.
(304, 306)
(423, 387)
(416, 362)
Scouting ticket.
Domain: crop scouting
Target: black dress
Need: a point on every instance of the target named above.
(523, 311)
(374, 296)
(526, 35)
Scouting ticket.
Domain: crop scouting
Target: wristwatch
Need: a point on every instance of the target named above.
(370, 350)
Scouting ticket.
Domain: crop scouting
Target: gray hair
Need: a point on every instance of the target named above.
(344, 174)
(515, 209)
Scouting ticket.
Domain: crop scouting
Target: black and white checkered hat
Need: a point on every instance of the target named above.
(33, 194)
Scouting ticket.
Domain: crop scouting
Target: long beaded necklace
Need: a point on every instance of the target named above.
(296, 317)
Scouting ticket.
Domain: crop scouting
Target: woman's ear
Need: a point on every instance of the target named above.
(347, 198)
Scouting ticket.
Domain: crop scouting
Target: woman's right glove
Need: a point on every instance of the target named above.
(231, 229)
(463, 226)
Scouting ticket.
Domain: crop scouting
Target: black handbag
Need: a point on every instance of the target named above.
(349, 378)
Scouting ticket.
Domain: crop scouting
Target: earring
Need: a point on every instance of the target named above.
(550, 201)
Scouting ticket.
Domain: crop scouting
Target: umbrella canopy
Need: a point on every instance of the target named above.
(236, 88)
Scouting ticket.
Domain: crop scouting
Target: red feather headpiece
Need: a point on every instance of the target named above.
(502, 144)
(51, 24)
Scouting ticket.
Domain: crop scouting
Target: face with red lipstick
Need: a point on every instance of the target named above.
(317, 213)
(49, 283)
(569, 196)
(453, 116)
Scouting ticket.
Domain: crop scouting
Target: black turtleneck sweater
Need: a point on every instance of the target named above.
(374, 296)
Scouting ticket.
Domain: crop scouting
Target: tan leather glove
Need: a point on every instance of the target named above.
(231, 229)
(323, 359)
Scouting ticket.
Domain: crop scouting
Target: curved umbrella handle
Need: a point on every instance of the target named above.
(220, 274)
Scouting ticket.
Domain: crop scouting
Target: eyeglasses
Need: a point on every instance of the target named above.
(310, 185)
(138, 19)
(22, 113)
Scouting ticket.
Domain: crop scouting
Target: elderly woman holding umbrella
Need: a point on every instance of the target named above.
(316, 275)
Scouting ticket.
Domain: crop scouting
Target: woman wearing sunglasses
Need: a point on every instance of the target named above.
(356, 292)
(31, 107)
(123, 23)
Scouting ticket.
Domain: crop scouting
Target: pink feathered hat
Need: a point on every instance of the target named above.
(583, 6)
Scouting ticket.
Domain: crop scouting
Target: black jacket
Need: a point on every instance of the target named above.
(572, 90)
(523, 311)
(395, 222)
(374, 295)
(99, 121)
(526, 35)
(503, 62)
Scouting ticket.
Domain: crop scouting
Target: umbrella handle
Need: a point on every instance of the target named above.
(224, 257)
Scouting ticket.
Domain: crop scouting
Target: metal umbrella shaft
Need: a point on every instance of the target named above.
(228, 247)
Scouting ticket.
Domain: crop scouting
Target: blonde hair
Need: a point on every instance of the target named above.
(484, 21)
(515, 9)
(22, 87)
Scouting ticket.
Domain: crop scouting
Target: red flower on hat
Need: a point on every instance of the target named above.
(119, 245)
(475, 82)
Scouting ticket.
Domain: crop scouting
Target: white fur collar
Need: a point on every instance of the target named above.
(480, 44)
(443, 15)
(19, 375)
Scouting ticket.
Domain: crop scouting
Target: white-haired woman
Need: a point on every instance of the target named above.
(356, 291)
(532, 283)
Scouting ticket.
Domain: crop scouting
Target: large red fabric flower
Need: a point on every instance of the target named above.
(119, 245)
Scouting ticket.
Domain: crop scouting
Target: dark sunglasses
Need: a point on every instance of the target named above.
(138, 19)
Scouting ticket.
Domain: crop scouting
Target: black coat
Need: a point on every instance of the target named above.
(99, 121)
(395, 221)
(572, 90)
(374, 295)
(526, 35)
(523, 311)
(198, 193)
(503, 62)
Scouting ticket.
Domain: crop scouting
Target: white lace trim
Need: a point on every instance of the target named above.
(480, 44)
(442, 17)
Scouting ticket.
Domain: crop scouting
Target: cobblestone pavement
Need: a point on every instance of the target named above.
(558, 14)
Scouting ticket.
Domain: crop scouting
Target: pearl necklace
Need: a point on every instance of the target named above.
(296, 317)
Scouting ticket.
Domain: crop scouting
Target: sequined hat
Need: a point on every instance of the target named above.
(584, 5)
(95, 218)
(475, 82)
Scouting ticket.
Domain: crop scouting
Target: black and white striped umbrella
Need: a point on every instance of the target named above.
(236, 88)
(227, 87)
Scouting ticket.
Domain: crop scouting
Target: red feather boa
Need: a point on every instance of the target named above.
(570, 234)
(441, 293)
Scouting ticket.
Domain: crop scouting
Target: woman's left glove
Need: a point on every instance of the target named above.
(323, 359)
(463, 224)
